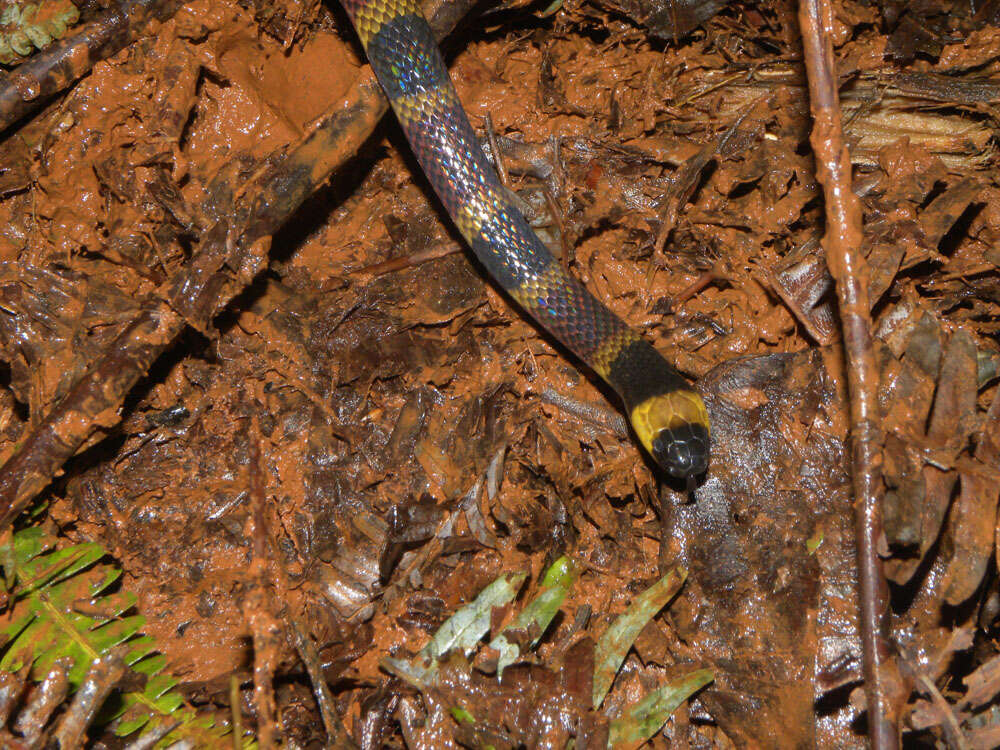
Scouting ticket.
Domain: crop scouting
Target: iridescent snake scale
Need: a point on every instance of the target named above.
(668, 416)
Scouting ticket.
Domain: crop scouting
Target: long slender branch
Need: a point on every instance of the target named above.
(842, 243)
(202, 288)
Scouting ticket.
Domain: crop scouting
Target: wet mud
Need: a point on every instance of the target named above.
(316, 412)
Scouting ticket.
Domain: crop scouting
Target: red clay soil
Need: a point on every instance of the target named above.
(370, 433)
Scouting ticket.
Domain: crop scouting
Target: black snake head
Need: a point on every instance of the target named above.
(673, 426)
(682, 451)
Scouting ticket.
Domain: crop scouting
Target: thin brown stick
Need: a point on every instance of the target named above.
(842, 242)
(692, 289)
(951, 726)
(440, 250)
(260, 598)
(236, 708)
(336, 733)
(498, 160)
(557, 216)
(202, 288)
(265, 638)
(104, 672)
(61, 64)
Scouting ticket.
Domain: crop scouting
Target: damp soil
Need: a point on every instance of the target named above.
(370, 432)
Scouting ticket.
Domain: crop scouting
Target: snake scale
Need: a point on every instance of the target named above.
(668, 416)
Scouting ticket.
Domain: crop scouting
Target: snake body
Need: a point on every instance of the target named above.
(668, 416)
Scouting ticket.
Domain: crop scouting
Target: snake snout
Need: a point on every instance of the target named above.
(682, 451)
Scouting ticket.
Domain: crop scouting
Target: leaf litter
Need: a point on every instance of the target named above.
(421, 441)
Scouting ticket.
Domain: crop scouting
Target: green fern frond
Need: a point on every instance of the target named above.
(60, 608)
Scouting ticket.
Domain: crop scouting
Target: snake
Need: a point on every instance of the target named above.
(668, 416)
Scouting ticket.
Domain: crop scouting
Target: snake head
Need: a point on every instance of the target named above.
(682, 451)
(673, 427)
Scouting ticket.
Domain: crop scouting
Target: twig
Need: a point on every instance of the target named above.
(104, 673)
(336, 734)
(557, 216)
(949, 722)
(45, 699)
(498, 162)
(693, 288)
(60, 64)
(439, 250)
(842, 243)
(237, 711)
(202, 288)
(260, 597)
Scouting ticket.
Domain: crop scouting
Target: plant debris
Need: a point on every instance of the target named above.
(357, 497)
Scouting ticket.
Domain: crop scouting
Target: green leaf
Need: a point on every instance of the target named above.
(125, 728)
(203, 731)
(642, 720)
(537, 615)
(113, 605)
(418, 676)
(100, 640)
(32, 641)
(84, 586)
(55, 566)
(157, 687)
(19, 622)
(149, 665)
(614, 644)
(462, 631)
(813, 543)
(115, 632)
(551, 9)
(467, 626)
(28, 544)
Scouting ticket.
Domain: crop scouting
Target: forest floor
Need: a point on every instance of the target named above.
(345, 432)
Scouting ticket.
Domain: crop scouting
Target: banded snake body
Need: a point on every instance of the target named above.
(668, 416)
